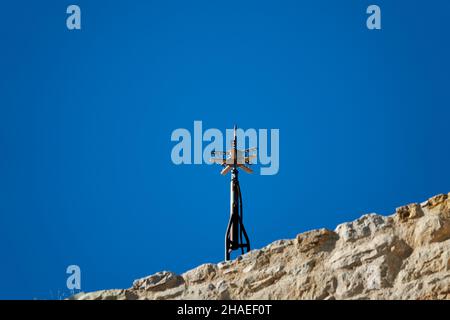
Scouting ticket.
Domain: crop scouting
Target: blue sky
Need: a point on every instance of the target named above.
(86, 118)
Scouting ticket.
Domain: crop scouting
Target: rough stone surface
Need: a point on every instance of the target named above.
(403, 256)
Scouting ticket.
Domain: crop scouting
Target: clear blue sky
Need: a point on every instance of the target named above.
(86, 118)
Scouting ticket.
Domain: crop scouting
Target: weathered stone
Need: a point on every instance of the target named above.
(316, 240)
(101, 295)
(201, 273)
(278, 246)
(365, 226)
(439, 205)
(223, 290)
(159, 281)
(432, 228)
(411, 211)
(403, 256)
(426, 260)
